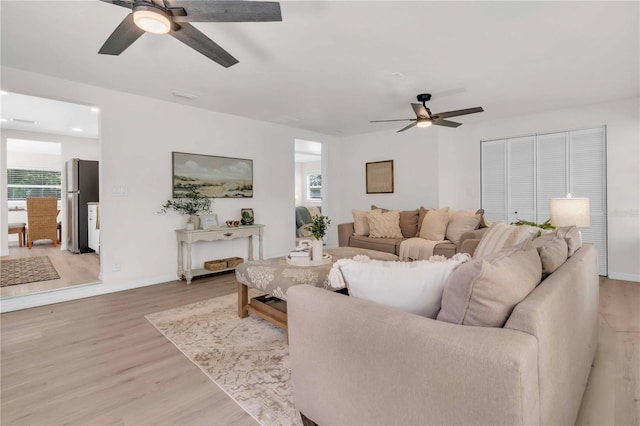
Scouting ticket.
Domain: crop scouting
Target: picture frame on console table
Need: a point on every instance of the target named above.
(380, 177)
(212, 176)
(209, 221)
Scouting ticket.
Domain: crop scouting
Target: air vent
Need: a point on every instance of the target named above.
(184, 95)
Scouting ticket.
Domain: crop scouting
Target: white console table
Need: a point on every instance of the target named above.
(186, 238)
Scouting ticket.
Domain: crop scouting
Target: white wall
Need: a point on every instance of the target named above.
(137, 137)
(415, 162)
(71, 147)
(460, 182)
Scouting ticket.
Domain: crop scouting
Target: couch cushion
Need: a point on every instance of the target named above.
(553, 251)
(384, 224)
(572, 236)
(408, 221)
(387, 245)
(434, 225)
(360, 222)
(414, 287)
(483, 292)
(422, 213)
(500, 236)
(460, 222)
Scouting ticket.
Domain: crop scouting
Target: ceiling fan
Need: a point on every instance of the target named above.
(173, 17)
(424, 117)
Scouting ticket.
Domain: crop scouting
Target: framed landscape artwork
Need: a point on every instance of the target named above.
(213, 177)
(380, 177)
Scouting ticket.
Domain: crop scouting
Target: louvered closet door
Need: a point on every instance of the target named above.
(553, 172)
(521, 176)
(587, 172)
(493, 179)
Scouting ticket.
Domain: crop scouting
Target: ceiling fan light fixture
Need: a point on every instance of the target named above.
(423, 122)
(151, 20)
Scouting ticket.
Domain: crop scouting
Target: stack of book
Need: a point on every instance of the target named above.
(302, 256)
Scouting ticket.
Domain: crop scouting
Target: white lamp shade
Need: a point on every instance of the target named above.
(570, 211)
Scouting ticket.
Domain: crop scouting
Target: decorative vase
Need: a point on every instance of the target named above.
(195, 219)
(246, 216)
(189, 226)
(316, 250)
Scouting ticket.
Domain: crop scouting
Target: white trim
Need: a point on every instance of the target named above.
(624, 277)
(4, 252)
(16, 303)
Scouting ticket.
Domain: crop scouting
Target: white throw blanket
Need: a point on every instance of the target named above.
(414, 287)
(417, 248)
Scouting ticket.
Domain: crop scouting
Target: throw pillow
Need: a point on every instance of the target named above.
(484, 292)
(421, 215)
(434, 225)
(500, 236)
(384, 225)
(414, 287)
(360, 222)
(408, 221)
(460, 222)
(572, 236)
(553, 251)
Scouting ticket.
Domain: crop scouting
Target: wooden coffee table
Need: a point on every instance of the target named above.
(274, 277)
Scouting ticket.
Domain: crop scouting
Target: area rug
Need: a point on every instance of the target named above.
(248, 358)
(27, 270)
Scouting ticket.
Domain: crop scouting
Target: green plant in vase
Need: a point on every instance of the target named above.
(547, 226)
(192, 205)
(318, 226)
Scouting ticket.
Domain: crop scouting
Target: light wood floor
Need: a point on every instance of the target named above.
(73, 269)
(97, 361)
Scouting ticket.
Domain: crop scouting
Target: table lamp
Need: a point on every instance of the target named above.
(570, 211)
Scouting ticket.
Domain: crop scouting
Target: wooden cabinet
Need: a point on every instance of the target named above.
(94, 227)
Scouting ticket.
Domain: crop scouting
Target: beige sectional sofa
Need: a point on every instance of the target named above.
(356, 362)
(347, 238)
(410, 226)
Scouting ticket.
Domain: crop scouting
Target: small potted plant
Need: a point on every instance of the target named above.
(193, 204)
(318, 228)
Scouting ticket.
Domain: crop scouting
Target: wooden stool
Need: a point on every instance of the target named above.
(19, 228)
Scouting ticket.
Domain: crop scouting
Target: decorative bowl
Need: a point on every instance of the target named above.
(232, 223)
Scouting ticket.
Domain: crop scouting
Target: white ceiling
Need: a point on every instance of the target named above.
(34, 114)
(331, 66)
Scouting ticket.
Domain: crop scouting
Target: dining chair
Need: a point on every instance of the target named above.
(42, 222)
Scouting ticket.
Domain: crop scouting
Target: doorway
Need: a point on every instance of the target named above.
(38, 137)
(309, 180)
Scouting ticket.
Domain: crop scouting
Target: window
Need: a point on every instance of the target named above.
(32, 183)
(314, 187)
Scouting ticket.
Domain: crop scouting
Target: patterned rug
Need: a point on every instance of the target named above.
(247, 358)
(27, 270)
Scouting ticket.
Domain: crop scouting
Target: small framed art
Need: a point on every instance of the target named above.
(380, 177)
(209, 221)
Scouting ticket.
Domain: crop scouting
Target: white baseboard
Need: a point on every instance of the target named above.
(624, 277)
(16, 303)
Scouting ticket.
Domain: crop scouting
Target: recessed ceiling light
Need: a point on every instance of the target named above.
(4, 120)
(76, 129)
(95, 109)
(2, 92)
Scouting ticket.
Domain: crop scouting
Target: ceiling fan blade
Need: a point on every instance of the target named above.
(457, 113)
(123, 3)
(226, 11)
(408, 127)
(192, 37)
(401, 119)
(123, 36)
(446, 123)
(420, 110)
